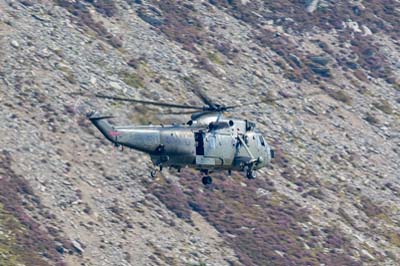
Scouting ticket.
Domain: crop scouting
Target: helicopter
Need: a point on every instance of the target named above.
(209, 142)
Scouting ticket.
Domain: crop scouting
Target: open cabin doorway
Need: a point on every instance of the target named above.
(199, 139)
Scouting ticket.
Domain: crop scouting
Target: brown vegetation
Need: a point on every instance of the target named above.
(378, 15)
(296, 66)
(292, 16)
(384, 106)
(264, 229)
(339, 95)
(31, 245)
(84, 18)
(180, 24)
(369, 208)
(370, 57)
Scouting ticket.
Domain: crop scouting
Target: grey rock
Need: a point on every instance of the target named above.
(115, 86)
(296, 60)
(321, 60)
(77, 246)
(14, 43)
(151, 15)
(322, 71)
(312, 5)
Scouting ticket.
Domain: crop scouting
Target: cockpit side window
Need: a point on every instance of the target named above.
(262, 140)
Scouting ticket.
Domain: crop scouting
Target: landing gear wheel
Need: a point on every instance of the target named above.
(153, 173)
(251, 174)
(207, 180)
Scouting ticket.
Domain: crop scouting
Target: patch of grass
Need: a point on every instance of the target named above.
(204, 63)
(372, 251)
(391, 255)
(384, 217)
(215, 58)
(394, 239)
(133, 79)
(340, 95)
(101, 63)
(161, 256)
(314, 192)
(384, 106)
(370, 208)
(68, 74)
(146, 116)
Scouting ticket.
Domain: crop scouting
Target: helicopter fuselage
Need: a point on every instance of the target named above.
(207, 146)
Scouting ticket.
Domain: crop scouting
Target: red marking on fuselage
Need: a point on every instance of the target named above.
(115, 133)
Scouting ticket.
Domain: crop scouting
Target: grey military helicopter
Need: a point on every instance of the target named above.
(208, 142)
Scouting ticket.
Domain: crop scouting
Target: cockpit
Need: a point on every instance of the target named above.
(263, 144)
(250, 126)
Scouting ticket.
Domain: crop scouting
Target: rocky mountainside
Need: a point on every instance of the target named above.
(331, 196)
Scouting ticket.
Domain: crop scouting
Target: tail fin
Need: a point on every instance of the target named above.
(101, 123)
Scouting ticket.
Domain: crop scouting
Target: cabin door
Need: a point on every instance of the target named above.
(199, 140)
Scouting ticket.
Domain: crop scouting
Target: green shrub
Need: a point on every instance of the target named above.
(384, 106)
(340, 95)
(214, 57)
(133, 80)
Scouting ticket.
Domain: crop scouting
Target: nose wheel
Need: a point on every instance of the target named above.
(251, 174)
(207, 180)
(153, 173)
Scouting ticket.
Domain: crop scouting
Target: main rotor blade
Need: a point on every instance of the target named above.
(196, 89)
(179, 113)
(202, 95)
(241, 105)
(182, 106)
(270, 100)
